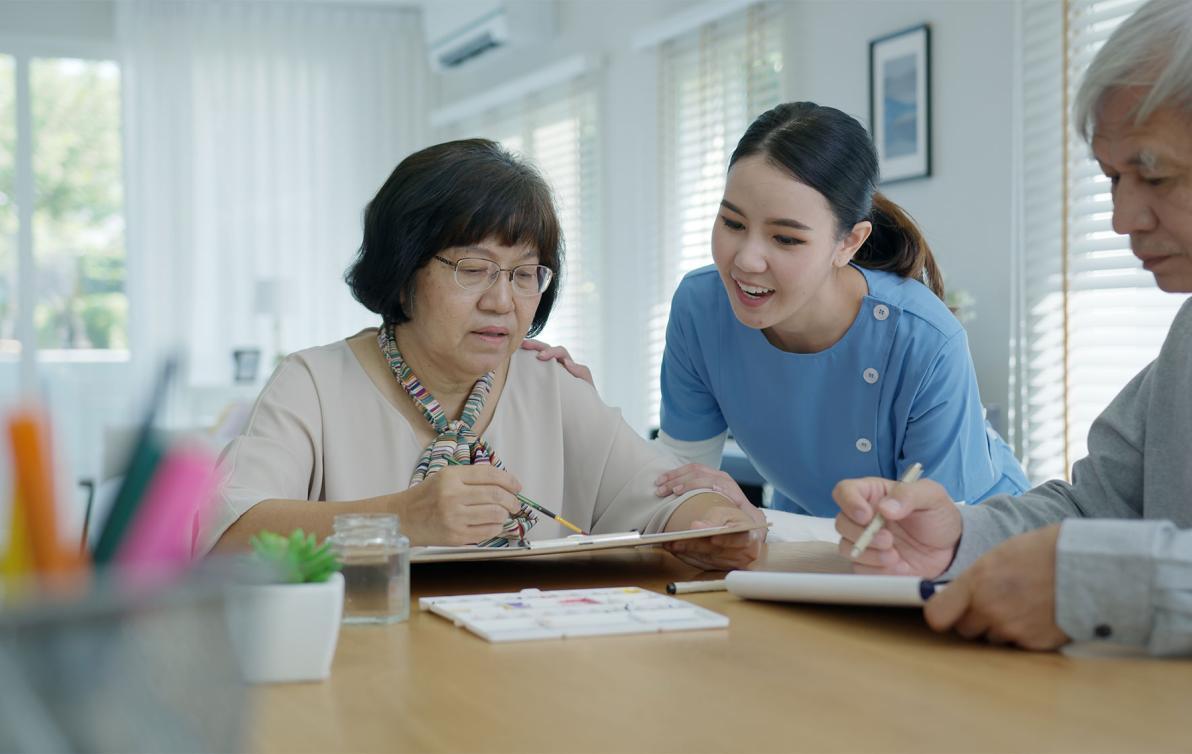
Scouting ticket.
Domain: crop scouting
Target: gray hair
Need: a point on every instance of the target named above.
(1152, 48)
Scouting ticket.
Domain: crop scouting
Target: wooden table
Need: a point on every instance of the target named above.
(782, 677)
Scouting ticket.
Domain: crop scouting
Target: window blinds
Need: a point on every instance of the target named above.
(555, 129)
(1093, 317)
(713, 82)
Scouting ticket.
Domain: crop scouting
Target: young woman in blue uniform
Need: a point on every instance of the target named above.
(819, 337)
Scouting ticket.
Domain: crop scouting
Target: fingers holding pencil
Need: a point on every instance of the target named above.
(919, 530)
(540, 508)
(911, 476)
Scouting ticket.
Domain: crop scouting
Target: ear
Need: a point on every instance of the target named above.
(847, 247)
(405, 299)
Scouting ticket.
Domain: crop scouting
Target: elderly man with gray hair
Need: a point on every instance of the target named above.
(1109, 556)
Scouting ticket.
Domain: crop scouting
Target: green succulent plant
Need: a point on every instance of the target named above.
(297, 559)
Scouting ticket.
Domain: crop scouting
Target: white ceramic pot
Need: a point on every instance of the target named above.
(285, 632)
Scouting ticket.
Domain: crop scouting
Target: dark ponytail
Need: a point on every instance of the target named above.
(897, 245)
(832, 153)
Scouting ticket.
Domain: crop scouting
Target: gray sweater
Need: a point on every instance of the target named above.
(1124, 557)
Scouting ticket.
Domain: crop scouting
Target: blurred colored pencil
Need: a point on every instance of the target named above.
(160, 535)
(35, 489)
(17, 565)
(146, 455)
(137, 477)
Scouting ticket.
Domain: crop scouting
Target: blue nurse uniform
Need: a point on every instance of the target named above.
(897, 388)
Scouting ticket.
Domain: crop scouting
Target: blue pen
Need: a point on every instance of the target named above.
(928, 588)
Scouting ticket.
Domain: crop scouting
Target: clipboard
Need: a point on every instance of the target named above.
(576, 543)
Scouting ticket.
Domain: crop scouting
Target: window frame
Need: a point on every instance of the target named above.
(23, 50)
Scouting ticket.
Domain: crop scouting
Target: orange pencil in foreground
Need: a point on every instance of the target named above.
(34, 476)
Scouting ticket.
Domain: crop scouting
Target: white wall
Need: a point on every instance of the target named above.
(964, 208)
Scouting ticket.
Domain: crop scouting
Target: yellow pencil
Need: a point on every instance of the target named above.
(541, 509)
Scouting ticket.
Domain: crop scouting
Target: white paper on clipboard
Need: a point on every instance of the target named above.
(565, 545)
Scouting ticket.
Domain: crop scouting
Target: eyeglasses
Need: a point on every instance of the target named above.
(474, 274)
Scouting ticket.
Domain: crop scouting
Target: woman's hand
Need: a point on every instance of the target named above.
(921, 532)
(546, 352)
(695, 476)
(460, 505)
(723, 552)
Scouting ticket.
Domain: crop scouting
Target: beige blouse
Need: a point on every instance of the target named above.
(322, 430)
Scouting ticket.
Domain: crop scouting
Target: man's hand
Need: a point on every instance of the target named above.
(921, 532)
(1007, 596)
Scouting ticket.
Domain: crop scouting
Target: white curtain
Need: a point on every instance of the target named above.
(255, 134)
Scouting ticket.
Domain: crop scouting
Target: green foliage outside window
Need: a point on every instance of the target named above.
(78, 222)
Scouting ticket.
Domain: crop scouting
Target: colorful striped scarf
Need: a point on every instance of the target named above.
(455, 440)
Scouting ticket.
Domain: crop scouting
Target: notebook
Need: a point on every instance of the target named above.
(568, 613)
(831, 588)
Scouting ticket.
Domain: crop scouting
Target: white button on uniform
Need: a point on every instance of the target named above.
(870, 375)
(880, 312)
(864, 445)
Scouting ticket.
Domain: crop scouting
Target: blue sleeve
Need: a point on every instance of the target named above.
(689, 410)
(946, 429)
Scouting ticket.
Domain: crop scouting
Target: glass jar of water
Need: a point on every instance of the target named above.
(376, 567)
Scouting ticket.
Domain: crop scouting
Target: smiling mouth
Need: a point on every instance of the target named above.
(754, 292)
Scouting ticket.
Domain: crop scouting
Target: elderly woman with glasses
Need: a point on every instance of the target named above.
(437, 415)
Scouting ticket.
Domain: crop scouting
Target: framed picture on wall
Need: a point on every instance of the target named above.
(900, 103)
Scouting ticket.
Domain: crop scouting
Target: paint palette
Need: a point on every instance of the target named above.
(533, 614)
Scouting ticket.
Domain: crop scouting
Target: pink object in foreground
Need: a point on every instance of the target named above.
(161, 537)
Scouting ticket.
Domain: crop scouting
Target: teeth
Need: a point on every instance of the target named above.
(754, 291)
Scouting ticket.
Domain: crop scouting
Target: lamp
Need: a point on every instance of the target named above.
(267, 303)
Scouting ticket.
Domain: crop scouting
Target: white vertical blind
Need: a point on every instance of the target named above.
(714, 82)
(1041, 345)
(556, 130)
(1094, 317)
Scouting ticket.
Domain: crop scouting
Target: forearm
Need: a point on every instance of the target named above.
(995, 520)
(284, 516)
(695, 508)
(707, 452)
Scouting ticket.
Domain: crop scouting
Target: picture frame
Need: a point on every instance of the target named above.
(900, 103)
(245, 362)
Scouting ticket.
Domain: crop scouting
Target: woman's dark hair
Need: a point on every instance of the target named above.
(832, 153)
(453, 194)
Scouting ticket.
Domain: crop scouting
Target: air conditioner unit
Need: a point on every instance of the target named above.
(459, 31)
